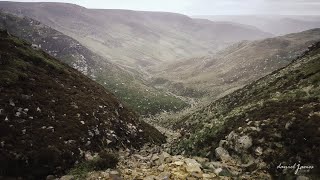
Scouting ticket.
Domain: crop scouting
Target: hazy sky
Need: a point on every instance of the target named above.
(206, 7)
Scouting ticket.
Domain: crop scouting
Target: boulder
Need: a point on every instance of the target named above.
(165, 157)
(178, 163)
(164, 176)
(152, 177)
(243, 143)
(222, 154)
(50, 177)
(258, 151)
(139, 157)
(161, 167)
(192, 166)
(67, 177)
(154, 157)
(218, 171)
(302, 178)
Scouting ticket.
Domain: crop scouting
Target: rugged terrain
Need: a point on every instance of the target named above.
(272, 121)
(133, 38)
(232, 67)
(51, 115)
(126, 83)
(262, 107)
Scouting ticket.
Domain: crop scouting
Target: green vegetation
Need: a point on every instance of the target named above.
(142, 98)
(103, 161)
(286, 102)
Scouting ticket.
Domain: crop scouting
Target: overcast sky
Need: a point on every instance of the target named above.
(206, 7)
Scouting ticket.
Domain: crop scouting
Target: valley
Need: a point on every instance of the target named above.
(143, 98)
(122, 94)
(143, 39)
(232, 68)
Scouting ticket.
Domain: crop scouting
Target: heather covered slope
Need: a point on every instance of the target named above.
(50, 114)
(270, 121)
(233, 67)
(126, 83)
(134, 38)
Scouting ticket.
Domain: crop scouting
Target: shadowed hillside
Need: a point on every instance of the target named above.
(51, 115)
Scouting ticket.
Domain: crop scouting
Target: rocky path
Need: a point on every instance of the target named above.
(154, 163)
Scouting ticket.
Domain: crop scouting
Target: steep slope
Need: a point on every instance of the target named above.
(275, 24)
(51, 114)
(273, 121)
(133, 38)
(235, 66)
(144, 99)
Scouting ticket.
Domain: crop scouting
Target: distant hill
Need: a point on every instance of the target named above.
(135, 38)
(50, 114)
(275, 24)
(272, 121)
(233, 67)
(126, 83)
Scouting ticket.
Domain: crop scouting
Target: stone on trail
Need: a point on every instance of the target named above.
(192, 166)
(179, 163)
(222, 154)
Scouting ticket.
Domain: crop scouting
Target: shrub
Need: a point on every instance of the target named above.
(105, 160)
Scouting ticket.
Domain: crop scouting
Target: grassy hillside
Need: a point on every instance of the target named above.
(126, 83)
(278, 115)
(235, 66)
(135, 38)
(51, 115)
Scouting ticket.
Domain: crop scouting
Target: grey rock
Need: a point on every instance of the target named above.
(288, 124)
(222, 154)
(164, 176)
(150, 178)
(243, 143)
(192, 165)
(218, 171)
(50, 177)
(302, 178)
(232, 136)
(223, 143)
(161, 168)
(165, 157)
(114, 172)
(258, 151)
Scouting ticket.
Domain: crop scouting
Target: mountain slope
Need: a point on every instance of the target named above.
(51, 114)
(133, 38)
(274, 120)
(275, 24)
(144, 99)
(237, 65)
